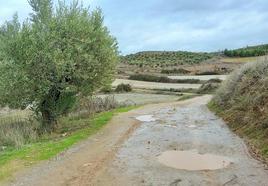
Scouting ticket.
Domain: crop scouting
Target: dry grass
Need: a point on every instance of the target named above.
(18, 128)
(243, 59)
(17, 131)
(242, 100)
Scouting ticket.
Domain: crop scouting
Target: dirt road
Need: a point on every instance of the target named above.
(129, 152)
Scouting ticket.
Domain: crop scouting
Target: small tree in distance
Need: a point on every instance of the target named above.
(54, 56)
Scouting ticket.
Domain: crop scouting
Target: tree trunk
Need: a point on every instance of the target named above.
(48, 110)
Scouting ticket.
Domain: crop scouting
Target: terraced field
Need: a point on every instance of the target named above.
(153, 85)
(143, 98)
(203, 78)
(243, 59)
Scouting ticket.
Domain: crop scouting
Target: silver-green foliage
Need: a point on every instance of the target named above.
(53, 56)
(249, 77)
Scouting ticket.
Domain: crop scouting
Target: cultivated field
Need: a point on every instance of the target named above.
(243, 59)
(142, 98)
(203, 78)
(153, 85)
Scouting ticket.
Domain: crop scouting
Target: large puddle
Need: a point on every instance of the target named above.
(146, 118)
(193, 161)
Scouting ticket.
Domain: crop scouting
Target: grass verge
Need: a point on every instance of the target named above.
(11, 160)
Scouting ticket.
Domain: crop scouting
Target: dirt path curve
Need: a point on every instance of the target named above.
(125, 152)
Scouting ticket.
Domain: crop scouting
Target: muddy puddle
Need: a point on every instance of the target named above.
(193, 161)
(146, 118)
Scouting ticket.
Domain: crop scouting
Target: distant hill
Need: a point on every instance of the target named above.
(165, 58)
(250, 51)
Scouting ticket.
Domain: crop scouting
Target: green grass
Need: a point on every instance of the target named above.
(12, 159)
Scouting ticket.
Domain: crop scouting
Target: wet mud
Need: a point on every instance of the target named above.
(193, 161)
(156, 150)
(161, 152)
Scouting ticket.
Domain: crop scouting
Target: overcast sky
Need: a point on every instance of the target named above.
(194, 25)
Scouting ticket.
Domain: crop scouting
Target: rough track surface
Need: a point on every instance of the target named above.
(125, 152)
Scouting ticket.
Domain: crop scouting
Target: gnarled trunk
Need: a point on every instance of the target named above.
(48, 109)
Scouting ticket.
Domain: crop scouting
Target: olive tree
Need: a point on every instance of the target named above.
(56, 54)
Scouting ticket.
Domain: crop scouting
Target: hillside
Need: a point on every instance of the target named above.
(249, 51)
(165, 58)
(243, 102)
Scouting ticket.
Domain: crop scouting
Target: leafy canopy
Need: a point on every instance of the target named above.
(54, 55)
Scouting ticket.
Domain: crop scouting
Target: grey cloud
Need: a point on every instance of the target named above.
(196, 25)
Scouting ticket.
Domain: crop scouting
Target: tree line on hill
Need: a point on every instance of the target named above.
(253, 51)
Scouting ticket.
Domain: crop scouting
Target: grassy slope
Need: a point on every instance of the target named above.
(165, 58)
(243, 102)
(12, 160)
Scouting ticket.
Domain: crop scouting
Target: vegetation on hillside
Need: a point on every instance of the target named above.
(161, 79)
(165, 58)
(251, 51)
(242, 100)
(54, 56)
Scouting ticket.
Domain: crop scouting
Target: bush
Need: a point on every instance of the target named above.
(175, 71)
(215, 80)
(242, 100)
(207, 73)
(107, 89)
(123, 88)
(161, 79)
(208, 88)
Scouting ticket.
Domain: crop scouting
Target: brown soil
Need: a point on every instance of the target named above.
(125, 152)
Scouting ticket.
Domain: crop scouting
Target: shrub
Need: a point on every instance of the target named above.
(175, 71)
(107, 89)
(207, 73)
(161, 79)
(123, 88)
(208, 88)
(215, 80)
(242, 100)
